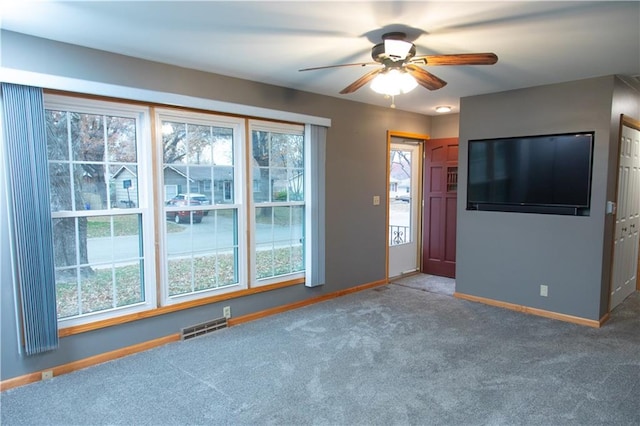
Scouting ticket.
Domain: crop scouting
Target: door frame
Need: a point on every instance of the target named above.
(634, 124)
(420, 139)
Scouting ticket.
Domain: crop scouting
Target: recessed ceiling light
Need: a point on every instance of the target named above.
(443, 108)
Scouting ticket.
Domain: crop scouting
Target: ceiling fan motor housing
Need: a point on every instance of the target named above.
(379, 54)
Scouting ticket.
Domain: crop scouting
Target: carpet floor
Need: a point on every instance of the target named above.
(392, 355)
(430, 283)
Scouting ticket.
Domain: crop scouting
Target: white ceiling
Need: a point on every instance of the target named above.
(537, 42)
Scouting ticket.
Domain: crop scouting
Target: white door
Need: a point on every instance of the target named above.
(404, 208)
(625, 248)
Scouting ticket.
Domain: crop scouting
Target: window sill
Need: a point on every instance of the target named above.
(162, 310)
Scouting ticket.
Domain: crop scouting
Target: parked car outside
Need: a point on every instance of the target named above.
(201, 198)
(181, 216)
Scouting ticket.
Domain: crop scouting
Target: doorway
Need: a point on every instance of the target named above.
(626, 244)
(404, 204)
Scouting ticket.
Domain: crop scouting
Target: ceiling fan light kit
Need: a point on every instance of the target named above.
(393, 82)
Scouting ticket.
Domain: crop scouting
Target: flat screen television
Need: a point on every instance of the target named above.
(533, 174)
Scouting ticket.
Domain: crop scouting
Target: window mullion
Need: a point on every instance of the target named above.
(78, 268)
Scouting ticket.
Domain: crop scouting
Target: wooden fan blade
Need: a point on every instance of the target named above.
(361, 81)
(361, 64)
(460, 59)
(425, 78)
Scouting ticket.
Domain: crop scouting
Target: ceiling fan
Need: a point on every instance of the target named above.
(397, 56)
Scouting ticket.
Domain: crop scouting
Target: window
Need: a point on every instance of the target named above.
(278, 174)
(203, 240)
(94, 153)
(207, 221)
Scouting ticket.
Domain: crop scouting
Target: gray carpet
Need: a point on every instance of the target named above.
(391, 355)
(426, 282)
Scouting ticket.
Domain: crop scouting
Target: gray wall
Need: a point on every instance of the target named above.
(507, 256)
(356, 170)
(445, 126)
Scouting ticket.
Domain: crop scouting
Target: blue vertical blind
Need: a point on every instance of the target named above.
(315, 271)
(26, 149)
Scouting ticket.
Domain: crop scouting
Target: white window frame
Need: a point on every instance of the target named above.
(145, 198)
(276, 127)
(207, 119)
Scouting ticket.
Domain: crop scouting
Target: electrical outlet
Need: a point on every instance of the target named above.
(376, 200)
(46, 375)
(544, 290)
(226, 312)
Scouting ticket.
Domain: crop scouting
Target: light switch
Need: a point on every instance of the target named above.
(376, 200)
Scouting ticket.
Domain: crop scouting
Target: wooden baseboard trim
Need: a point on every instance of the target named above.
(534, 311)
(140, 347)
(279, 309)
(88, 362)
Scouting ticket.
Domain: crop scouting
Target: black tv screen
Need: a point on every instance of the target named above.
(547, 171)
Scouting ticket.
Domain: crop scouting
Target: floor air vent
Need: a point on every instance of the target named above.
(204, 328)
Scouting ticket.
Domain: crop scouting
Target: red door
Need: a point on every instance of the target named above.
(439, 214)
